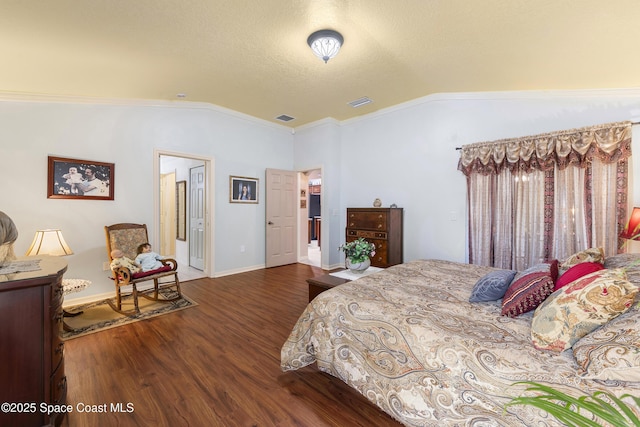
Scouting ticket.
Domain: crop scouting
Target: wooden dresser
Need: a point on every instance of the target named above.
(380, 226)
(32, 357)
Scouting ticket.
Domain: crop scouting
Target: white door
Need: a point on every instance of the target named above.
(281, 188)
(197, 217)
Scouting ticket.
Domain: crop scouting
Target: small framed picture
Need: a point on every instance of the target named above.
(80, 179)
(243, 189)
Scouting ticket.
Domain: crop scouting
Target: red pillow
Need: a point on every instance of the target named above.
(576, 272)
(150, 272)
(526, 293)
(529, 288)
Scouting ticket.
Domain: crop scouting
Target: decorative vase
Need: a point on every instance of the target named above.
(358, 267)
(377, 203)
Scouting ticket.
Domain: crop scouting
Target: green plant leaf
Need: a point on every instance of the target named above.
(358, 250)
(624, 407)
(560, 412)
(601, 405)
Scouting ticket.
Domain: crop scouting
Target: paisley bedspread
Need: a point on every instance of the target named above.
(408, 339)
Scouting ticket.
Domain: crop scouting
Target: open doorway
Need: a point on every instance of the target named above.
(311, 217)
(176, 209)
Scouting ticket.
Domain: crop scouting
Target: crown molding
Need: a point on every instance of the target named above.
(318, 123)
(6, 96)
(125, 102)
(503, 95)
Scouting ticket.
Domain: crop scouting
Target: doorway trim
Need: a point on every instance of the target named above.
(324, 231)
(209, 166)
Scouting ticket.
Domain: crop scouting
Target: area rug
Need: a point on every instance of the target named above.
(99, 316)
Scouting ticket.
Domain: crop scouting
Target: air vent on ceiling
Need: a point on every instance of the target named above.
(285, 118)
(361, 101)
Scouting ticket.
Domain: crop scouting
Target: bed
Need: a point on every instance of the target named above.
(408, 339)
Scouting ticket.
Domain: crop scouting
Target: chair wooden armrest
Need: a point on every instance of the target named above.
(122, 276)
(170, 261)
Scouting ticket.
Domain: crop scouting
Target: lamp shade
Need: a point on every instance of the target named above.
(49, 242)
(325, 43)
(632, 230)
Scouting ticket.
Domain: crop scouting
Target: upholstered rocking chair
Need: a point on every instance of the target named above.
(127, 237)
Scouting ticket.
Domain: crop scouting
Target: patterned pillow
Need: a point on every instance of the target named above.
(630, 262)
(492, 286)
(580, 307)
(588, 255)
(550, 267)
(612, 352)
(576, 272)
(529, 288)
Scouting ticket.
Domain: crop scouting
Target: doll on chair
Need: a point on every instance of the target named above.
(119, 260)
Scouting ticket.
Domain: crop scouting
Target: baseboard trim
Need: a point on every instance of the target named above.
(69, 302)
(238, 270)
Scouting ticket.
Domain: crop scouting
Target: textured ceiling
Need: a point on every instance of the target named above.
(251, 55)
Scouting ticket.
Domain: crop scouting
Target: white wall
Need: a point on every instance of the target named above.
(318, 147)
(406, 155)
(127, 135)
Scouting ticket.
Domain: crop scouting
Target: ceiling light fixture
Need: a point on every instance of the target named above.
(325, 44)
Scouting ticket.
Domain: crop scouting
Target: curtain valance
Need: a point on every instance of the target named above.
(607, 142)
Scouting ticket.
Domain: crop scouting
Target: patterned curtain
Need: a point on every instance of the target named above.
(546, 196)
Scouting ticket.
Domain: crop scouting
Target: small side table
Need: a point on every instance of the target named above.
(70, 286)
(319, 284)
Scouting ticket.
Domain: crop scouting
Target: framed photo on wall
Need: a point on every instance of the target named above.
(243, 189)
(80, 179)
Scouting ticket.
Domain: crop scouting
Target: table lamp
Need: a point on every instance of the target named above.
(49, 242)
(632, 230)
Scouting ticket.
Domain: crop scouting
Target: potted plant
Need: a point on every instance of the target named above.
(358, 253)
(580, 411)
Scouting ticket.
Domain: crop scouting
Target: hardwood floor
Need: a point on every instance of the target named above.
(217, 364)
